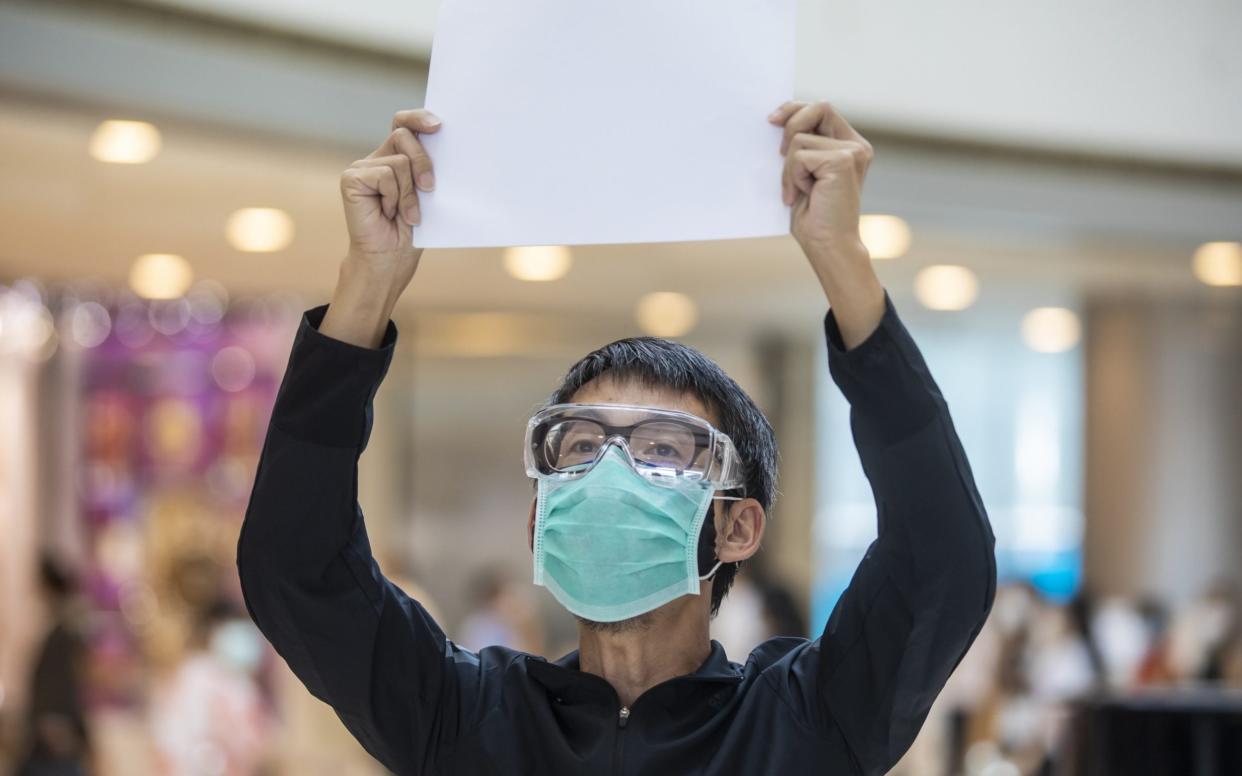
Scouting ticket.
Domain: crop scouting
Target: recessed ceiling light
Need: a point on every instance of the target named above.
(1051, 329)
(125, 142)
(538, 262)
(666, 314)
(1219, 263)
(886, 237)
(160, 276)
(259, 229)
(946, 287)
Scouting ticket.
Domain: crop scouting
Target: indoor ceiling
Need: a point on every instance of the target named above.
(66, 216)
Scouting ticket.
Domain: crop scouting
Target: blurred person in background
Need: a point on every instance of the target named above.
(501, 614)
(57, 736)
(654, 475)
(208, 716)
(1204, 639)
(760, 608)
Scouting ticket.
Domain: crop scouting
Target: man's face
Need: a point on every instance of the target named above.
(605, 390)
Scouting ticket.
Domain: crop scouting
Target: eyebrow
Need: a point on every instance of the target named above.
(600, 415)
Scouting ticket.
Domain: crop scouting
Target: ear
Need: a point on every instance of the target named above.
(530, 526)
(739, 529)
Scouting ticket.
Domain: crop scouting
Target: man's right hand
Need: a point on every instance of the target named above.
(380, 195)
(380, 191)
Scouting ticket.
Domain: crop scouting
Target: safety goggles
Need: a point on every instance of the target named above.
(669, 448)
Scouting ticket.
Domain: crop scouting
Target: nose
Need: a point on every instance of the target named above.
(622, 446)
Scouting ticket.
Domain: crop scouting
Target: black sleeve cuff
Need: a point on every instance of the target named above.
(325, 397)
(884, 378)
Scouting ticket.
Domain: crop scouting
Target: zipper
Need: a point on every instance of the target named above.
(623, 718)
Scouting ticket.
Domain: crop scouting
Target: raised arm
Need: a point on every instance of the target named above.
(926, 584)
(310, 582)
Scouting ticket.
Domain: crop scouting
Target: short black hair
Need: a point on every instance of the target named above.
(661, 363)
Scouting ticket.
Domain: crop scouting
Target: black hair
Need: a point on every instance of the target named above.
(660, 363)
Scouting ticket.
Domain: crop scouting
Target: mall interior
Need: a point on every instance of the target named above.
(1055, 209)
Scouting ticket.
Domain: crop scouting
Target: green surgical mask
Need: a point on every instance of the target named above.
(610, 545)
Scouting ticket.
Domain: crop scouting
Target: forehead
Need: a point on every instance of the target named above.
(606, 390)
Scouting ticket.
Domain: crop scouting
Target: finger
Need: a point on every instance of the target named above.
(404, 173)
(862, 152)
(805, 119)
(786, 109)
(371, 181)
(822, 119)
(811, 165)
(407, 143)
(420, 120)
(842, 128)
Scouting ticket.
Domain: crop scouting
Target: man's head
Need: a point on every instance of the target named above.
(658, 373)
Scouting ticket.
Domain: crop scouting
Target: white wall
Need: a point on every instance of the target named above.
(1150, 78)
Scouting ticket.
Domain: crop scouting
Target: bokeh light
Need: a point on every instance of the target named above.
(946, 287)
(1051, 329)
(538, 263)
(666, 314)
(125, 142)
(90, 324)
(233, 368)
(160, 276)
(259, 229)
(1219, 263)
(886, 237)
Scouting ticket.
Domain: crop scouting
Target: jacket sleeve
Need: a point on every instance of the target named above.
(307, 573)
(925, 586)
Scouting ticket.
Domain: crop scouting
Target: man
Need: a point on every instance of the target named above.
(655, 473)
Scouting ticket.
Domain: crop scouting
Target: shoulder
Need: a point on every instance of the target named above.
(775, 653)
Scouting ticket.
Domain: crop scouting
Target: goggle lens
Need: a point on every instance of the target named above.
(571, 444)
(566, 440)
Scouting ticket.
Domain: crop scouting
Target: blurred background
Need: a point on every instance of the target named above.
(1055, 208)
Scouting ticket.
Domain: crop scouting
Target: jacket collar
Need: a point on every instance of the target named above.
(563, 675)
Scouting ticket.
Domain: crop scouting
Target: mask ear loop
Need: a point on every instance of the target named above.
(711, 573)
(719, 563)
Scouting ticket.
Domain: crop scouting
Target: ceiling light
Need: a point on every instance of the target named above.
(125, 142)
(666, 314)
(886, 237)
(259, 229)
(537, 262)
(1051, 329)
(160, 276)
(1219, 263)
(946, 287)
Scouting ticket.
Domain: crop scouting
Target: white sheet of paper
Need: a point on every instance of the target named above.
(606, 121)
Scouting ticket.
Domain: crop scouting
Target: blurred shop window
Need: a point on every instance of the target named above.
(1019, 413)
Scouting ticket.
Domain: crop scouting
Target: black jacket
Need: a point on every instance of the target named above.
(850, 701)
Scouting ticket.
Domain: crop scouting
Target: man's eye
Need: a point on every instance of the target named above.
(582, 446)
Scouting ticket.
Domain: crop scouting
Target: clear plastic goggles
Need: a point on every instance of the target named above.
(669, 448)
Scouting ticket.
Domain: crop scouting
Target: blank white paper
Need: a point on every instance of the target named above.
(606, 121)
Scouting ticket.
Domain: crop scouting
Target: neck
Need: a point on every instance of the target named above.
(636, 655)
